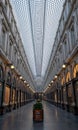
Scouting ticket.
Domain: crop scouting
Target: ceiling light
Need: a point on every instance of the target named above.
(20, 77)
(27, 85)
(63, 66)
(12, 67)
(55, 76)
(52, 81)
(24, 81)
(49, 85)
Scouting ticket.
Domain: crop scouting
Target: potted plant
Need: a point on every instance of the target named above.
(38, 111)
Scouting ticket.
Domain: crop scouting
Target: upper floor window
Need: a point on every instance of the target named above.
(72, 35)
(5, 7)
(3, 37)
(65, 53)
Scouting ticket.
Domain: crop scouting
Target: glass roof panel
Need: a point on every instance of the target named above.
(37, 22)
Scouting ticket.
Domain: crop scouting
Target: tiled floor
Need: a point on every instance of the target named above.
(54, 119)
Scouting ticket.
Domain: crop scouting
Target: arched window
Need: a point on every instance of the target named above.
(75, 72)
(1, 73)
(68, 78)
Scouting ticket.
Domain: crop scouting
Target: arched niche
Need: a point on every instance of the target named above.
(68, 77)
(75, 71)
(63, 81)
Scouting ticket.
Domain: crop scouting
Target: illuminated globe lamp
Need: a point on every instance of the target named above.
(52, 81)
(12, 67)
(24, 81)
(20, 77)
(55, 76)
(63, 66)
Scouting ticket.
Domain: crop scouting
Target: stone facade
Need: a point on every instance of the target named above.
(63, 88)
(14, 91)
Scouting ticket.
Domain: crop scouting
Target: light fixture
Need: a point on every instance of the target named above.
(52, 81)
(12, 67)
(55, 76)
(20, 77)
(49, 85)
(27, 85)
(63, 66)
(24, 81)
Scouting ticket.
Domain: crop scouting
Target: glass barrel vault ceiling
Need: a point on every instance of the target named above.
(37, 22)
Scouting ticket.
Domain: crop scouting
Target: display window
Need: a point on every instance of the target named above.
(76, 92)
(64, 95)
(13, 96)
(7, 95)
(70, 95)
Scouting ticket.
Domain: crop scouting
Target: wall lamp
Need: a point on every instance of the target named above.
(28, 85)
(11, 66)
(64, 66)
(21, 77)
(52, 81)
(49, 85)
(24, 81)
(55, 76)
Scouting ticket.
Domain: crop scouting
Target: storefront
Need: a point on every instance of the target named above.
(1, 88)
(13, 94)
(75, 85)
(7, 93)
(75, 88)
(64, 97)
(70, 97)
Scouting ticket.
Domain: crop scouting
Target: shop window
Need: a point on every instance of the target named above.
(76, 92)
(13, 96)
(55, 97)
(59, 96)
(18, 96)
(70, 95)
(7, 95)
(64, 95)
(68, 78)
(22, 96)
(9, 78)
